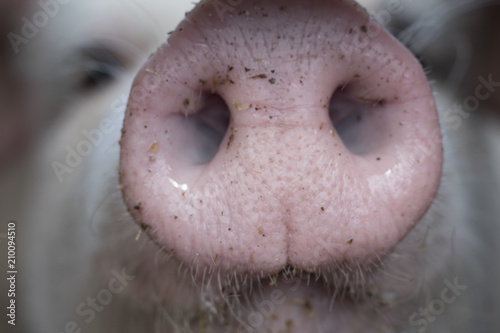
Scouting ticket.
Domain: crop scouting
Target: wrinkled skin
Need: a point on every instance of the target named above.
(186, 224)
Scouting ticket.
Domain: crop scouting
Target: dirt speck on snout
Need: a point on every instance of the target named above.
(230, 140)
(373, 101)
(153, 149)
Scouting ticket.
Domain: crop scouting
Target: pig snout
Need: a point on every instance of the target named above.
(281, 134)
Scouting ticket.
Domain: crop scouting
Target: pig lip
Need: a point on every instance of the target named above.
(343, 284)
(312, 297)
(337, 284)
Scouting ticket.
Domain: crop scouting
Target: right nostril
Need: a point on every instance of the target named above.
(358, 121)
(204, 130)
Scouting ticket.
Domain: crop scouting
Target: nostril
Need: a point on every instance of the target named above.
(358, 121)
(206, 129)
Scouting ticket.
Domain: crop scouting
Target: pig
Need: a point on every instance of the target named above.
(275, 166)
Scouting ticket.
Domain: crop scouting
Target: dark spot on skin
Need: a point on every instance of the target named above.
(260, 76)
(230, 68)
(308, 306)
(323, 209)
(349, 242)
(247, 69)
(176, 217)
(186, 102)
(145, 226)
(222, 214)
(356, 76)
(282, 8)
(272, 71)
(138, 206)
(229, 229)
(289, 323)
(378, 158)
(272, 80)
(342, 56)
(203, 82)
(400, 124)
(350, 31)
(364, 28)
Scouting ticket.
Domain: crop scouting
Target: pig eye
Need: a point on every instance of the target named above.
(98, 67)
(89, 69)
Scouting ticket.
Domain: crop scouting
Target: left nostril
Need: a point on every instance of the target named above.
(207, 128)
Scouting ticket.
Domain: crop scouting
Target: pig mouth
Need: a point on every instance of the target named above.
(369, 298)
(339, 285)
